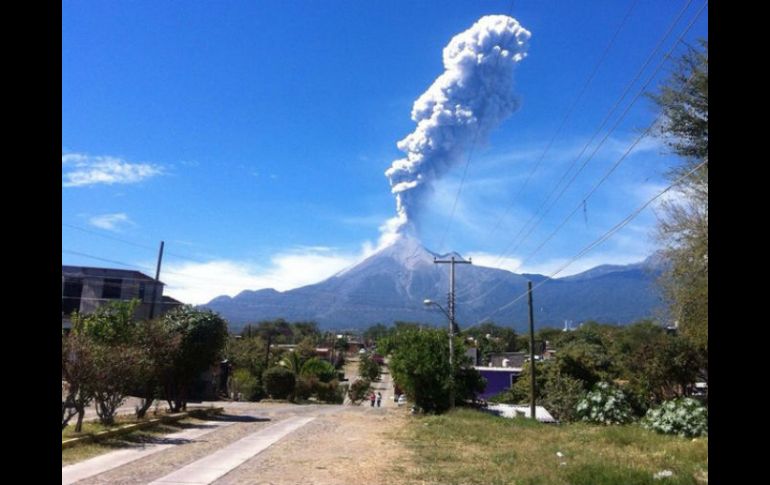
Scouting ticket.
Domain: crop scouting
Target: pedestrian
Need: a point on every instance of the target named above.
(372, 397)
(379, 399)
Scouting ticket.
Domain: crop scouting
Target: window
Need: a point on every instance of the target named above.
(514, 378)
(111, 288)
(141, 291)
(70, 295)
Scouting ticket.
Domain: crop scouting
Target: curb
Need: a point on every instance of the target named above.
(133, 427)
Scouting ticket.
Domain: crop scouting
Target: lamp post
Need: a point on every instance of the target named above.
(428, 302)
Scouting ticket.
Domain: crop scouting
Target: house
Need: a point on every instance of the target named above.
(508, 359)
(498, 379)
(84, 289)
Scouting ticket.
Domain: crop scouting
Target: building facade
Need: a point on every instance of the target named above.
(84, 289)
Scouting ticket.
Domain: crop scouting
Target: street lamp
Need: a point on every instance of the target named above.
(429, 302)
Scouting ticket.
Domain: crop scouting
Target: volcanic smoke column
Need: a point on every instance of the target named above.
(471, 97)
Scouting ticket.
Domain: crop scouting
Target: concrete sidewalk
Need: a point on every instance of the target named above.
(210, 468)
(102, 463)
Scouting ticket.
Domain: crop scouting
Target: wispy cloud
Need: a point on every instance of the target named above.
(198, 283)
(79, 169)
(550, 266)
(110, 222)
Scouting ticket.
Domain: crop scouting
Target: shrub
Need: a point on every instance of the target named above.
(605, 405)
(245, 384)
(279, 382)
(368, 368)
(685, 417)
(562, 395)
(359, 390)
(318, 368)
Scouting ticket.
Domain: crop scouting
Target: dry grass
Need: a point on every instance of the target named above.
(469, 447)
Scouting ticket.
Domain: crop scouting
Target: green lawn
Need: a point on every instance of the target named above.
(470, 447)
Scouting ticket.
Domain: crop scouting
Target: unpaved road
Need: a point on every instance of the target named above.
(342, 445)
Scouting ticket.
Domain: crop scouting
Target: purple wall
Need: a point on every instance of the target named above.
(497, 380)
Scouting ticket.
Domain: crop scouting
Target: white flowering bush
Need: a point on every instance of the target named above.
(605, 405)
(685, 417)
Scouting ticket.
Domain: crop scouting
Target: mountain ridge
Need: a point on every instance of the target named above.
(392, 283)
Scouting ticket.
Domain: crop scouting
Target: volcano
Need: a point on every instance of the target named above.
(391, 285)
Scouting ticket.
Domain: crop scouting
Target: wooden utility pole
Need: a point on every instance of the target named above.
(532, 386)
(157, 282)
(452, 325)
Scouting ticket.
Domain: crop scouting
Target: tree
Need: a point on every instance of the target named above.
(110, 333)
(202, 339)
(683, 225)
(491, 338)
(376, 332)
(157, 344)
(78, 371)
(419, 365)
(269, 331)
(368, 368)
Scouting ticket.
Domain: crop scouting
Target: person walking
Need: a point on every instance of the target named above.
(372, 397)
(379, 399)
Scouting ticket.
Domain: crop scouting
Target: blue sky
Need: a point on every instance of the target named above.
(253, 137)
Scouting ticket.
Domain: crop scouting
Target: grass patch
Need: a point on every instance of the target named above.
(470, 447)
(89, 449)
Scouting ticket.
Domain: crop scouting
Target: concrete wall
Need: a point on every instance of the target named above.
(498, 380)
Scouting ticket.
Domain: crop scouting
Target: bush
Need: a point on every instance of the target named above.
(562, 395)
(279, 382)
(605, 405)
(359, 390)
(318, 368)
(245, 384)
(685, 417)
(368, 368)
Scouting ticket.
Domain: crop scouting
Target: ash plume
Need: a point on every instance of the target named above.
(461, 107)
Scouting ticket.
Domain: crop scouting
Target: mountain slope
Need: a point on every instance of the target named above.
(392, 284)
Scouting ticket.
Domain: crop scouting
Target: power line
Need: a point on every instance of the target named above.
(612, 231)
(601, 181)
(568, 114)
(607, 117)
(96, 233)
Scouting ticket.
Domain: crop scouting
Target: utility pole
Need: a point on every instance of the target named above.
(452, 325)
(157, 282)
(532, 386)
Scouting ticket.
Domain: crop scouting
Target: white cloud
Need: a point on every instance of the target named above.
(198, 283)
(110, 222)
(79, 170)
(548, 267)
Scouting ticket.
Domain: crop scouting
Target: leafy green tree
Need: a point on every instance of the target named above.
(202, 337)
(306, 348)
(657, 365)
(118, 364)
(305, 331)
(368, 368)
(270, 331)
(683, 225)
(491, 338)
(419, 365)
